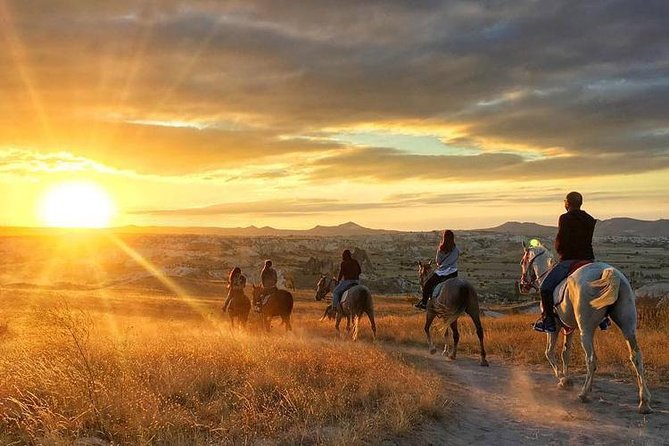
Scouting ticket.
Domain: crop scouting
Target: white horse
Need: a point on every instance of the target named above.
(583, 301)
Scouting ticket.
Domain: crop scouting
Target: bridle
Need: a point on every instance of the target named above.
(322, 291)
(424, 271)
(529, 270)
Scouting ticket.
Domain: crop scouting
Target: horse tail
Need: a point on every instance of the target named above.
(610, 286)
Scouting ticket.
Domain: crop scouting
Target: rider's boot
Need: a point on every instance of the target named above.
(422, 304)
(547, 322)
(605, 323)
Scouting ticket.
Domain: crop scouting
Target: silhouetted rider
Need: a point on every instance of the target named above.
(572, 243)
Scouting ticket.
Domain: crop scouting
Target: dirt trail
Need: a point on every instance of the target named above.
(499, 405)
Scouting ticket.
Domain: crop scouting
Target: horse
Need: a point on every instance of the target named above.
(238, 308)
(585, 298)
(457, 296)
(277, 303)
(358, 301)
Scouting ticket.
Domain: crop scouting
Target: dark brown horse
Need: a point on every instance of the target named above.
(456, 297)
(239, 307)
(278, 303)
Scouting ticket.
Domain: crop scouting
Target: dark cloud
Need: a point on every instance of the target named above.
(585, 79)
(391, 165)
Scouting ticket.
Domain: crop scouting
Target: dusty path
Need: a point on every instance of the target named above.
(499, 405)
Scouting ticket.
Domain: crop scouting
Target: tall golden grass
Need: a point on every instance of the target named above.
(136, 368)
(124, 370)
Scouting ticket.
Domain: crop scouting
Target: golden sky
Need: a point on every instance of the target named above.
(290, 114)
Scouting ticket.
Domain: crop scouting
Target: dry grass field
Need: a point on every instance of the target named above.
(151, 369)
(136, 367)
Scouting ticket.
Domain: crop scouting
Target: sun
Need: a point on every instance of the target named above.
(77, 205)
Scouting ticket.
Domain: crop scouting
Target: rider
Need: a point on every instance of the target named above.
(447, 266)
(268, 279)
(349, 275)
(573, 243)
(236, 281)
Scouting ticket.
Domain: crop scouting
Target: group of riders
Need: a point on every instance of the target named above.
(573, 244)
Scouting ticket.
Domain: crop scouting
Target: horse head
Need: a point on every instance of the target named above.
(424, 271)
(534, 265)
(323, 287)
(257, 295)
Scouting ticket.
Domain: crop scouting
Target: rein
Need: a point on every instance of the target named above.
(537, 280)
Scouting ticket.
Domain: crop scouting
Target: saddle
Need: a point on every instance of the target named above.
(561, 291)
(344, 295)
(577, 265)
(266, 294)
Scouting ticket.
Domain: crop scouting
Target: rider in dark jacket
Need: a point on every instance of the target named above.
(572, 243)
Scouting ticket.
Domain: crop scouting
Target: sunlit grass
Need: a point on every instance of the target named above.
(164, 376)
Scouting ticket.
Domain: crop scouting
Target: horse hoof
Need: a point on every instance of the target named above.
(584, 398)
(645, 409)
(565, 383)
(484, 363)
(451, 357)
(433, 351)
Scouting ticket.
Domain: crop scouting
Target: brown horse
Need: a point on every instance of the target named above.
(456, 297)
(358, 302)
(238, 308)
(278, 303)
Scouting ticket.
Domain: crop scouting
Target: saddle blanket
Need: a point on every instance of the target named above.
(345, 293)
(561, 291)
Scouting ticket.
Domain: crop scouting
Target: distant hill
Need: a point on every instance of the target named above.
(613, 227)
(523, 228)
(621, 226)
(632, 227)
(345, 229)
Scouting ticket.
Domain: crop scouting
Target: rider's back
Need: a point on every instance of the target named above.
(574, 238)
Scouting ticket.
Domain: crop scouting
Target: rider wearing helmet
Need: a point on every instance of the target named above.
(573, 243)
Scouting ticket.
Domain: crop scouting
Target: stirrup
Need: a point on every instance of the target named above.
(543, 326)
(605, 323)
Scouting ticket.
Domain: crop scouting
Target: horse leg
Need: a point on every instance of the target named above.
(474, 313)
(551, 355)
(372, 323)
(445, 351)
(356, 321)
(337, 322)
(624, 315)
(429, 317)
(587, 334)
(565, 382)
(456, 340)
(286, 322)
(637, 361)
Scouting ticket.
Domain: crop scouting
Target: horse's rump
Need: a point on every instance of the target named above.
(278, 303)
(598, 282)
(359, 300)
(454, 297)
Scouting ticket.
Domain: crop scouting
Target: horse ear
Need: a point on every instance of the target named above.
(524, 245)
(429, 263)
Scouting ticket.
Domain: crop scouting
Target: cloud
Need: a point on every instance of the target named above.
(311, 206)
(583, 83)
(392, 165)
